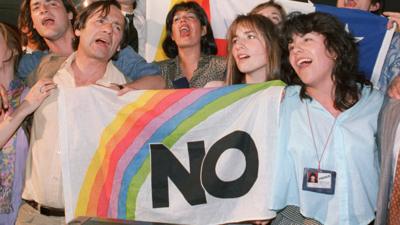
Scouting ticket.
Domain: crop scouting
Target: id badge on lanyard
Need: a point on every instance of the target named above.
(320, 181)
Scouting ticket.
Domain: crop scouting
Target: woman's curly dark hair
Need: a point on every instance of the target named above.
(347, 78)
(208, 45)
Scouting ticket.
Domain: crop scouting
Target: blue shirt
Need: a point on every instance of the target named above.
(391, 65)
(129, 63)
(351, 153)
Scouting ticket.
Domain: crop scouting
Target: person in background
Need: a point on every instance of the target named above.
(16, 104)
(253, 50)
(394, 87)
(271, 10)
(50, 23)
(389, 80)
(387, 211)
(254, 54)
(29, 45)
(134, 12)
(191, 49)
(328, 126)
(373, 6)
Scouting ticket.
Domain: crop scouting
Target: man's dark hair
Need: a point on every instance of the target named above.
(103, 6)
(25, 20)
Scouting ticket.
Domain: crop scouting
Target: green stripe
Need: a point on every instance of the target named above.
(183, 128)
(214, 107)
(134, 188)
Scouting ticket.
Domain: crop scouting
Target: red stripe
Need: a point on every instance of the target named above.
(117, 137)
(134, 131)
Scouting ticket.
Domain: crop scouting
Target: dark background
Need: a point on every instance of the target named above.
(9, 9)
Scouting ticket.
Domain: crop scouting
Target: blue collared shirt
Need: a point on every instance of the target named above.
(351, 153)
(129, 63)
(391, 65)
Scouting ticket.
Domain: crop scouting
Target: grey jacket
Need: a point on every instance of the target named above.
(389, 121)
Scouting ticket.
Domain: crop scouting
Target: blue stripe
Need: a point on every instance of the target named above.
(166, 129)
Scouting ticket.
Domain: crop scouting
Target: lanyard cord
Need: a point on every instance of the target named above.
(315, 145)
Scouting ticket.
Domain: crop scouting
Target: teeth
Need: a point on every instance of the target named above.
(301, 61)
(350, 3)
(45, 21)
(184, 28)
(243, 56)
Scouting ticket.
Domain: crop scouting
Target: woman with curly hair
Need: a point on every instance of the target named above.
(328, 127)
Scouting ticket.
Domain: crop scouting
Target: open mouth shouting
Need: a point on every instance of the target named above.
(184, 30)
(350, 3)
(303, 62)
(102, 42)
(242, 56)
(47, 21)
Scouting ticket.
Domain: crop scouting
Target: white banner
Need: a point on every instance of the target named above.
(189, 156)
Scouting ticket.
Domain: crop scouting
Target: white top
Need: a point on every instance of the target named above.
(43, 172)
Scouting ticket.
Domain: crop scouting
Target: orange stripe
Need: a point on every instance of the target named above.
(114, 141)
(136, 129)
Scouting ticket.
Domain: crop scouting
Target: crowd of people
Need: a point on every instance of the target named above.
(336, 130)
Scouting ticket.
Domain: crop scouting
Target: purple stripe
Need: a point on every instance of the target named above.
(141, 139)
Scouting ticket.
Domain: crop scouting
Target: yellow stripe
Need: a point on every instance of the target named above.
(98, 159)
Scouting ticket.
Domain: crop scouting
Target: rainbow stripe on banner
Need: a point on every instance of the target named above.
(121, 163)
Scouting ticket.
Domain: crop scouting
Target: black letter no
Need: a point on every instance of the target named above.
(232, 189)
(164, 164)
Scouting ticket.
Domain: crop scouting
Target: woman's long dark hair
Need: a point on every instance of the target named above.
(348, 80)
(208, 45)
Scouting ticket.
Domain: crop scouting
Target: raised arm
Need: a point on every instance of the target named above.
(11, 121)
